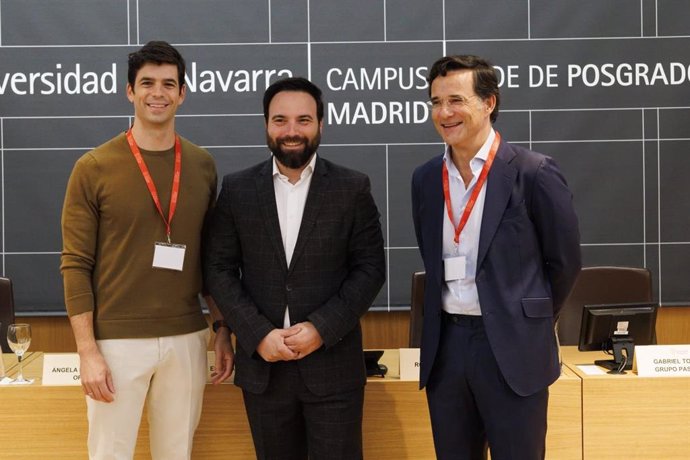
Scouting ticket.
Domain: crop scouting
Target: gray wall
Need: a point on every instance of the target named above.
(621, 136)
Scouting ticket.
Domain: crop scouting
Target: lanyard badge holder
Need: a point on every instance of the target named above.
(455, 268)
(165, 254)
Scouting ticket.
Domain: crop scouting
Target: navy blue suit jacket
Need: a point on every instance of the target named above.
(528, 259)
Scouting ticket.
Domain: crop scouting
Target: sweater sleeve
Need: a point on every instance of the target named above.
(79, 235)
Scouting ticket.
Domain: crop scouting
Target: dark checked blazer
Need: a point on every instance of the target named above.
(337, 268)
(528, 259)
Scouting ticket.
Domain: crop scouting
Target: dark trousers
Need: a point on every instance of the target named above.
(470, 403)
(290, 422)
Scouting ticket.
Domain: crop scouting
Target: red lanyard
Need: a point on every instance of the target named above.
(475, 193)
(149, 181)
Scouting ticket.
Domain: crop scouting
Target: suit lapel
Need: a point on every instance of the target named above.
(315, 198)
(267, 202)
(437, 208)
(499, 186)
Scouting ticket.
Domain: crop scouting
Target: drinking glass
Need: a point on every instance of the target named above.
(19, 339)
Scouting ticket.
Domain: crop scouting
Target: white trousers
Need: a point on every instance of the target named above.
(169, 374)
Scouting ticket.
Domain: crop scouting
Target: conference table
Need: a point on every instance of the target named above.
(50, 421)
(631, 417)
(590, 417)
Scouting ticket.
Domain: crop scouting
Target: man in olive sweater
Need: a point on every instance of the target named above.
(131, 265)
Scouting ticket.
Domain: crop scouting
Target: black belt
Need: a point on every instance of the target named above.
(470, 320)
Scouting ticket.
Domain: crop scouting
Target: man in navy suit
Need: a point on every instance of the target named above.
(500, 242)
(294, 258)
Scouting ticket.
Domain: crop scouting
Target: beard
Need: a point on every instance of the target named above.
(293, 159)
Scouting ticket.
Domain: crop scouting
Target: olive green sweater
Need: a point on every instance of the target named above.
(109, 227)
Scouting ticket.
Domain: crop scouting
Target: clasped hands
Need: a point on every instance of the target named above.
(290, 344)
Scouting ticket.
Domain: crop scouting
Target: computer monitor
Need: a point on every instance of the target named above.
(616, 329)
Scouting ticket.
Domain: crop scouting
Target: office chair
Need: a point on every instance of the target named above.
(601, 285)
(6, 311)
(417, 309)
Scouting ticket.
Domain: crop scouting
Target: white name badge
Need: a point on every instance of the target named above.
(663, 360)
(454, 268)
(409, 364)
(170, 256)
(61, 369)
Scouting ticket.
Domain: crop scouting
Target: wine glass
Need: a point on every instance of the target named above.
(19, 339)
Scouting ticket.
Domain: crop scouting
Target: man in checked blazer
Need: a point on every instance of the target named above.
(294, 259)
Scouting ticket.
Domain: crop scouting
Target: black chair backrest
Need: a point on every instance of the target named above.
(6, 311)
(417, 309)
(601, 285)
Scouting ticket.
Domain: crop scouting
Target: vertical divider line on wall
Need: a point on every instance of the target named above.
(644, 193)
(129, 26)
(658, 200)
(308, 40)
(385, 23)
(529, 19)
(0, 22)
(642, 21)
(137, 22)
(2, 176)
(656, 21)
(388, 239)
(443, 23)
(270, 32)
(529, 124)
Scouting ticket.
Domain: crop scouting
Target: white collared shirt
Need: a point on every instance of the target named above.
(461, 296)
(290, 201)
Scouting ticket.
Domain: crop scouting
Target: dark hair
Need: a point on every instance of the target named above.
(155, 52)
(485, 79)
(297, 84)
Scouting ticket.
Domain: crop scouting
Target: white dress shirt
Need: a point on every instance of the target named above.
(290, 201)
(461, 296)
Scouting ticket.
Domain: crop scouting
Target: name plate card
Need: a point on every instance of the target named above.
(663, 360)
(409, 364)
(61, 369)
(210, 365)
(211, 368)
